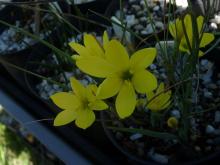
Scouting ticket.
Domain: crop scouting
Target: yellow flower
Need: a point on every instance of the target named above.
(123, 75)
(172, 122)
(159, 100)
(78, 105)
(176, 30)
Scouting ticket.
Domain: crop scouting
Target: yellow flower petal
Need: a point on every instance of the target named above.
(126, 100)
(117, 55)
(81, 50)
(166, 105)
(176, 29)
(109, 87)
(201, 53)
(206, 39)
(90, 94)
(160, 102)
(95, 66)
(98, 105)
(93, 88)
(105, 39)
(143, 58)
(200, 21)
(85, 118)
(78, 88)
(64, 117)
(189, 28)
(184, 45)
(93, 45)
(144, 81)
(160, 88)
(65, 100)
(150, 95)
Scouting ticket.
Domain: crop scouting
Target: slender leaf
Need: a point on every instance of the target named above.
(155, 134)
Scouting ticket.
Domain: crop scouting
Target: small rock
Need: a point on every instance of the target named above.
(140, 13)
(156, 8)
(149, 29)
(130, 19)
(175, 113)
(208, 94)
(143, 19)
(139, 27)
(214, 26)
(56, 87)
(197, 148)
(210, 129)
(153, 67)
(217, 19)
(136, 7)
(136, 136)
(159, 25)
(204, 62)
(144, 32)
(163, 75)
(163, 159)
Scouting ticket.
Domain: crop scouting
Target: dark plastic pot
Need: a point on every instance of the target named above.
(213, 56)
(136, 160)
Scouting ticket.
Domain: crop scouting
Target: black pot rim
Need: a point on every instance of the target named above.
(148, 162)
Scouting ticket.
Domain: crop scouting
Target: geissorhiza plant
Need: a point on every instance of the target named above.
(124, 75)
(177, 31)
(78, 105)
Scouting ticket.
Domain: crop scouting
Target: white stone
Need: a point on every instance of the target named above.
(217, 19)
(210, 129)
(136, 136)
(119, 31)
(159, 25)
(214, 26)
(149, 29)
(208, 94)
(130, 19)
(180, 3)
(176, 113)
(153, 67)
(156, 8)
(159, 158)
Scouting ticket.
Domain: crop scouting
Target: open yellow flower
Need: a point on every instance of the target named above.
(78, 105)
(176, 30)
(159, 100)
(123, 75)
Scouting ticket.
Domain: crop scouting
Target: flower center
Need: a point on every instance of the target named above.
(85, 104)
(127, 75)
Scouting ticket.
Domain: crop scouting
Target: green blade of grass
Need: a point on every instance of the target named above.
(155, 134)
